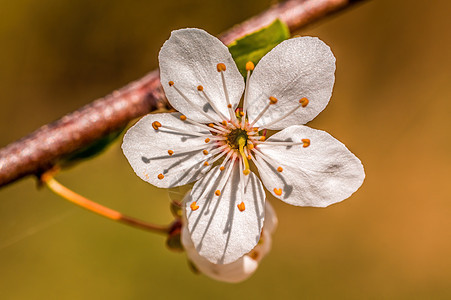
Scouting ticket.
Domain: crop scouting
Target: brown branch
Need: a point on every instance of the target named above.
(41, 150)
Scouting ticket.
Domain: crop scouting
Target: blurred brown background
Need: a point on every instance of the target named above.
(391, 106)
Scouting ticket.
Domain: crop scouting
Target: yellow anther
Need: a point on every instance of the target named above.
(205, 152)
(183, 117)
(241, 113)
(200, 88)
(171, 83)
(229, 105)
(194, 206)
(278, 192)
(211, 125)
(262, 138)
(305, 142)
(279, 169)
(220, 67)
(218, 193)
(156, 125)
(170, 152)
(250, 146)
(255, 129)
(241, 206)
(206, 163)
(160, 176)
(272, 100)
(221, 168)
(224, 123)
(304, 102)
(249, 66)
(246, 171)
(207, 140)
(249, 157)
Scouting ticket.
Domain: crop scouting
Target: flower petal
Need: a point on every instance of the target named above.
(294, 69)
(189, 58)
(240, 269)
(221, 232)
(319, 175)
(147, 150)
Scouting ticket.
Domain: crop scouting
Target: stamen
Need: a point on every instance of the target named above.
(171, 83)
(249, 68)
(170, 152)
(206, 163)
(241, 206)
(218, 193)
(207, 140)
(205, 126)
(221, 68)
(201, 89)
(268, 159)
(156, 125)
(272, 101)
(192, 104)
(278, 192)
(194, 206)
(225, 177)
(279, 169)
(306, 143)
(183, 117)
(194, 133)
(304, 101)
(225, 160)
(205, 152)
(160, 176)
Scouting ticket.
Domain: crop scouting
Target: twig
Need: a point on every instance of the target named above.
(40, 151)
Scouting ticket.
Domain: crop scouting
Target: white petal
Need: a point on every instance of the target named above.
(319, 175)
(220, 231)
(189, 59)
(240, 269)
(296, 68)
(147, 151)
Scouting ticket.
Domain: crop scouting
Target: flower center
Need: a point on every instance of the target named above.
(236, 138)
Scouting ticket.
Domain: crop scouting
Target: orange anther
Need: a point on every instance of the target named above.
(170, 152)
(160, 176)
(207, 140)
(255, 129)
(218, 193)
(200, 88)
(242, 113)
(250, 146)
(305, 142)
(194, 206)
(278, 192)
(221, 168)
(241, 206)
(249, 66)
(211, 125)
(224, 123)
(229, 105)
(156, 124)
(183, 117)
(262, 138)
(249, 157)
(171, 83)
(220, 67)
(205, 152)
(206, 163)
(279, 169)
(272, 100)
(304, 102)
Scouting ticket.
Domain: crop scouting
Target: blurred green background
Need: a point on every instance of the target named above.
(391, 106)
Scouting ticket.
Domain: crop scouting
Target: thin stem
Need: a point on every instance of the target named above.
(59, 189)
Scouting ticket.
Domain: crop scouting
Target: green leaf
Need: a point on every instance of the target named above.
(254, 46)
(91, 150)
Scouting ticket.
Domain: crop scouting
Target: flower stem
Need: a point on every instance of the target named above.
(59, 189)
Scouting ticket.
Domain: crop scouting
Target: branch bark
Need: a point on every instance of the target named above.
(42, 149)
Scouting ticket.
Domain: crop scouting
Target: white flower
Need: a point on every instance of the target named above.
(240, 269)
(299, 165)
